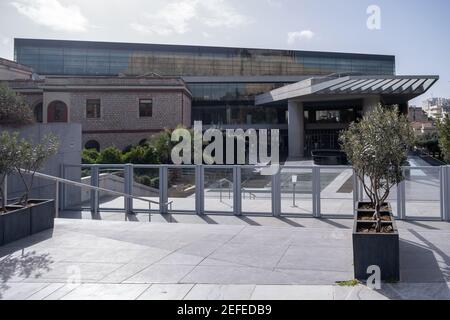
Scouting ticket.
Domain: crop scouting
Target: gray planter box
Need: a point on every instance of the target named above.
(22, 222)
(376, 249)
(42, 215)
(16, 224)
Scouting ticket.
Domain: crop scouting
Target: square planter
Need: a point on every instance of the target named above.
(42, 215)
(16, 224)
(375, 249)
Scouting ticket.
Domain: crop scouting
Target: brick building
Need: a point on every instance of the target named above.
(113, 111)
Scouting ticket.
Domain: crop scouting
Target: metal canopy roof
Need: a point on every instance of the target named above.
(405, 87)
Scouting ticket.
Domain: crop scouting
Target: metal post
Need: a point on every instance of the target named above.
(401, 200)
(361, 191)
(445, 196)
(62, 189)
(220, 190)
(94, 193)
(128, 187)
(293, 195)
(355, 190)
(5, 190)
(276, 194)
(199, 190)
(316, 191)
(237, 199)
(163, 185)
(57, 199)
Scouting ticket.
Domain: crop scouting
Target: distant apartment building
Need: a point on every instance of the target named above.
(420, 122)
(416, 114)
(436, 108)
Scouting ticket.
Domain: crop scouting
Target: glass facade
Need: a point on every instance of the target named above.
(239, 114)
(336, 112)
(98, 58)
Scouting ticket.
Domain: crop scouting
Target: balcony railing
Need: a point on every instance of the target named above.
(303, 191)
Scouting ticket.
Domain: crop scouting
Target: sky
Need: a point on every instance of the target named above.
(416, 32)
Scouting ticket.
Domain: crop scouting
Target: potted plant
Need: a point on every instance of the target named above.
(32, 157)
(377, 146)
(27, 216)
(8, 154)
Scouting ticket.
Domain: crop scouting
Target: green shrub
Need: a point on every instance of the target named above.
(110, 155)
(141, 155)
(13, 109)
(89, 156)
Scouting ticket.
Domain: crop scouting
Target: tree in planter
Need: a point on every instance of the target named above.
(31, 157)
(8, 156)
(377, 146)
(444, 137)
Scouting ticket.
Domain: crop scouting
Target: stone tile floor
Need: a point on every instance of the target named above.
(286, 258)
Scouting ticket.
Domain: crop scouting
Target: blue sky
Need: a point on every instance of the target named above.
(417, 32)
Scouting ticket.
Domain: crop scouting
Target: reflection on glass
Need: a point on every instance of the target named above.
(191, 61)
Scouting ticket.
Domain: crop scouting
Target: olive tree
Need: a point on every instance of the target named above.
(8, 156)
(13, 109)
(377, 146)
(32, 157)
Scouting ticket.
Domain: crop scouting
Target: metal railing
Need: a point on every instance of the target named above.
(319, 191)
(96, 190)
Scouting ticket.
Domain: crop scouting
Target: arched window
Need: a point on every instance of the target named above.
(57, 112)
(92, 144)
(38, 112)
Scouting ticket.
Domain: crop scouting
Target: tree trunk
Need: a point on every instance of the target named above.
(377, 216)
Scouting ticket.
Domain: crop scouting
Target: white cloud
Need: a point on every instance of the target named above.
(177, 17)
(51, 13)
(299, 35)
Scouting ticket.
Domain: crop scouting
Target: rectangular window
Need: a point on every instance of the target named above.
(93, 108)
(145, 107)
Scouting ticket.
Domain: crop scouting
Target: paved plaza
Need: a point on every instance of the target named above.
(213, 257)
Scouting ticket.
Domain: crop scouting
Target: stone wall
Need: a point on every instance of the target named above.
(69, 153)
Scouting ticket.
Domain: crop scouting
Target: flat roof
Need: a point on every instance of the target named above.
(408, 87)
(189, 48)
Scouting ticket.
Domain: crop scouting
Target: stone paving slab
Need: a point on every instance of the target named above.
(101, 259)
(174, 291)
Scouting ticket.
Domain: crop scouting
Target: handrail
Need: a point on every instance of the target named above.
(98, 189)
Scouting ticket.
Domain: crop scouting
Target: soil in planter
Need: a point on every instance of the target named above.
(371, 228)
(368, 216)
(368, 206)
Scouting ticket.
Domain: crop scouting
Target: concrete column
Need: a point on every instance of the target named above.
(296, 129)
(370, 103)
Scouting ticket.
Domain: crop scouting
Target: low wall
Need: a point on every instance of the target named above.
(115, 183)
(69, 152)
